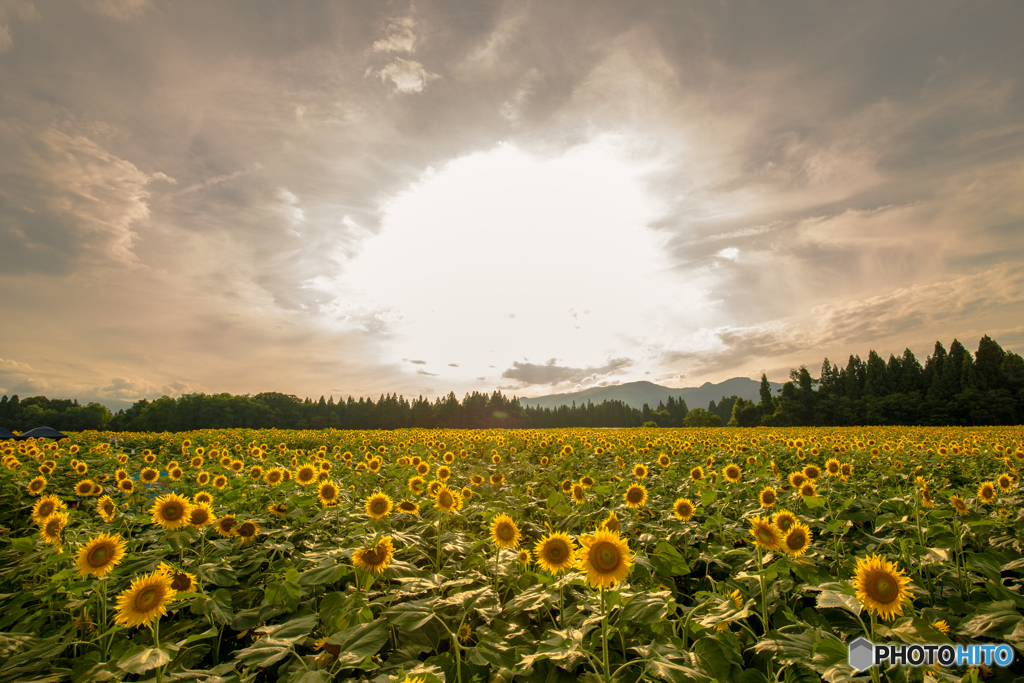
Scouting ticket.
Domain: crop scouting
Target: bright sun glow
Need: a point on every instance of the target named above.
(502, 257)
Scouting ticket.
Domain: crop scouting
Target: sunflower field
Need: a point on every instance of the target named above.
(740, 555)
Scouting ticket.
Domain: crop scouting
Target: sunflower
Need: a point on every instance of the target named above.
(635, 496)
(423, 469)
(328, 494)
(45, 507)
(664, 460)
(612, 523)
(986, 492)
(606, 559)
(378, 505)
(196, 462)
(145, 601)
(100, 555)
(567, 486)
(959, 504)
(51, 527)
(476, 480)
(447, 501)
(639, 471)
(433, 487)
(496, 479)
(279, 509)
(201, 516)
(732, 473)
(833, 467)
(812, 472)
(524, 556)
(1005, 482)
(768, 497)
(86, 487)
(579, 496)
(766, 535)
(408, 507)
(226, 526)
(416, 484)
(808, 489)
(556, 552)
(126, 485)
(942, 626)
(36, 486)
(697, 473)
(797, 539)
(797, 479)
(466, 493)
(203, 497)
(306, 474)
(846, 470)
(237, 466)
(170, 511)
(247, 531)
(148, 475)
(375, 559)
(881, 587)
(504, 532)
(587, 482)
(220, 482)
(443, 473)
(81, 468)
(106, 507)
(683, 509)
(181, 581)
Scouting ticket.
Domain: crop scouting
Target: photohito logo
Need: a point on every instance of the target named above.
(864, 654)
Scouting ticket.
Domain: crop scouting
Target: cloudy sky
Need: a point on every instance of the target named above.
(358, 198)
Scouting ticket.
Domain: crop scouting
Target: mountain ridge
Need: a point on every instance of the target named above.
(635, 394)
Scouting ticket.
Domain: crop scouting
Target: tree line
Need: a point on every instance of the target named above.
(952, 387)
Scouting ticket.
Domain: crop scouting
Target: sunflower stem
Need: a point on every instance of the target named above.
(764, 592)
(604, 639)
(874, 670)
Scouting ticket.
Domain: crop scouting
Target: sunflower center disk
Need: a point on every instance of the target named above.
(146, 599)
(98, 556)
(607, 557)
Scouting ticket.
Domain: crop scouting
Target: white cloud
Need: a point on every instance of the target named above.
(406, 76)
(400, 37)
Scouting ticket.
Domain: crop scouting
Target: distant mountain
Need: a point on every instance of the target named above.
(636, 394)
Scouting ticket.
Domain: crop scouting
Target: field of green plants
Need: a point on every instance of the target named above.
(740, 555)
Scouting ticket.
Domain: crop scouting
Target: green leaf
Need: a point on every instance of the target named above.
(647, 608)
(24, 545)
(218, 574)
(707, 498)
(139, 660)
(828, 599)
(814, 502)
(411, 615)
(360, 641)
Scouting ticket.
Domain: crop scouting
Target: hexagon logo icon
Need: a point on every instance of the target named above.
(861, 654)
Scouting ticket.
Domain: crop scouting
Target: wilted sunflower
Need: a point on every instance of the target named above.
(36, 486)
(732, 473)
(683, 509)
(697, 473)
(639, 471)
(504, 532)
(556, 552)
(100, 555)
(375, 559)
(247, 531)
(86, 487)
(226, 526)
(45, 507)
(170, 511)
(797, 539)
(986, 492)
(881, 587)
(201, 516)
(378, 505)
(305, 474)
(606, 559)
(447, 501)
(612, 523)
(51, 527)
(148, 475)
(106, 508)
(959, 504)
(768, 497)
(279, 509)
(579, 496)
(408, 507)
(145, 601)
(808, 489)
(635, 496)
(766, 535)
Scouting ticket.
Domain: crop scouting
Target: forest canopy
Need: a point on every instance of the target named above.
(953, 387)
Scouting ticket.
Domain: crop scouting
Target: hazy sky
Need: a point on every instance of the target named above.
(366, 197)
